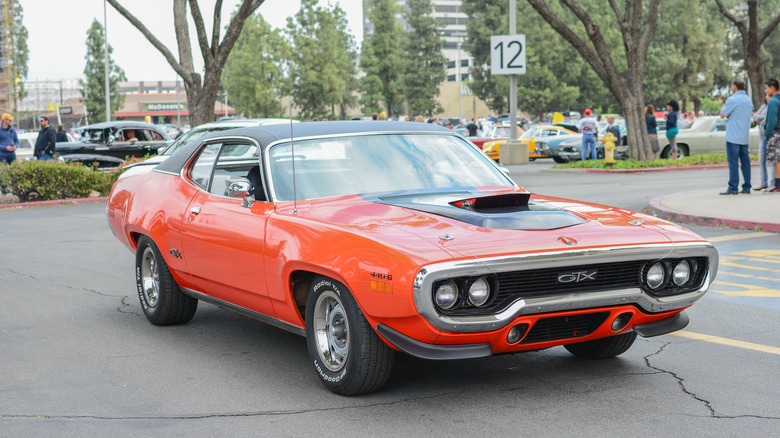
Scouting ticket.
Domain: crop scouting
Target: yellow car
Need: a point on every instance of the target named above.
(529, 137)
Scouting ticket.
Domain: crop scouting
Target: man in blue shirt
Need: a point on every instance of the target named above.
(9, 141)
(738, 109)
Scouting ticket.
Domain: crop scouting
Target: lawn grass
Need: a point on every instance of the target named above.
(695, 160)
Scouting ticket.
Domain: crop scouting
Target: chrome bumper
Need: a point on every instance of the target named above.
(427, 276)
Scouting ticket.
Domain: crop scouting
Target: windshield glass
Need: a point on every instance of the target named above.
(379, 163)
(530, 133)
(93, 136)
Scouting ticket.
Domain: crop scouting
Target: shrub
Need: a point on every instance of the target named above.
(693, 160)
(51, 180)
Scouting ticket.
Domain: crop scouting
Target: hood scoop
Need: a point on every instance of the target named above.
(506, 211)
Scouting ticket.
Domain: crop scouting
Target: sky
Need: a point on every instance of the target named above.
(58, 31)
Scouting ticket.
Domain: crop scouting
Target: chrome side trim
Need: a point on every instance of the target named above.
(423, 285)
(246, 312)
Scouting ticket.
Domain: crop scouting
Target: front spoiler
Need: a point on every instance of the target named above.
(423, 350)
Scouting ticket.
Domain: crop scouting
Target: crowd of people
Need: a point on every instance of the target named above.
(44, 144)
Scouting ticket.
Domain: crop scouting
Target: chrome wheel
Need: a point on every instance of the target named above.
(331, 330)
(150, 277)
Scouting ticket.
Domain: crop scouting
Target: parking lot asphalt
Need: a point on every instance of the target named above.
(756, 211)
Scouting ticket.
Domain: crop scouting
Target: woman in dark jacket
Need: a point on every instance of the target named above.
(652, 130)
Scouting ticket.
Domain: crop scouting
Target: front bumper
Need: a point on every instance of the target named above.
(563, 301)
(497, 342)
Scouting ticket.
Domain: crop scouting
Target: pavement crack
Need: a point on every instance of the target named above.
(122, 299)
(106, 417)
(680, 381)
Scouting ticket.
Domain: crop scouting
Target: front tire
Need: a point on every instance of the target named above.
(348, 355)
(161, 299)
(603, 348)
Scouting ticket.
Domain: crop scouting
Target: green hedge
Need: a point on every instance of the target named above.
(52, 180)
(693, 160)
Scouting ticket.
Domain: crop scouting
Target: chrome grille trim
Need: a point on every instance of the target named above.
(571, 300)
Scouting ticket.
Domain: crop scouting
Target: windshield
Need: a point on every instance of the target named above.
(379, 163)
(530, 133)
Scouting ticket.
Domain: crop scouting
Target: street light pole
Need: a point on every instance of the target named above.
(105, 53)
(512, 77)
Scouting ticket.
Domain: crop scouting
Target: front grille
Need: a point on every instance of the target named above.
(564, 327)
(577, 279)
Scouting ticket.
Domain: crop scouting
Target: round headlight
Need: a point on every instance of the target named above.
(479, 292)
(655, 276)
(446, 295)
(681, 273)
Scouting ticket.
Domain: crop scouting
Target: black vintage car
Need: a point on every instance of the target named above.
(111, 143)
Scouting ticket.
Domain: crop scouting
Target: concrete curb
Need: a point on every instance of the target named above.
(56, 202)
(656, 207)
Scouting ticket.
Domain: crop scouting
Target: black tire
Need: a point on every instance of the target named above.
(665, 152)
(348, 355)
(682, 151)
(161, 299)
(558, 159)
(603, 348)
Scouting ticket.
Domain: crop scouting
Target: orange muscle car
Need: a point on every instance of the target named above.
(374, 238)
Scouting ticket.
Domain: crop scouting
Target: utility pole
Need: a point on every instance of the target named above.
(105, 56)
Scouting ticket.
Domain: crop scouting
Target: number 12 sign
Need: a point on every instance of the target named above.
(507, 54)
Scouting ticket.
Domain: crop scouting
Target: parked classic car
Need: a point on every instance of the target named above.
(568, 149)
(707, 135)
(111, 143)
(529, 137)
(376, 237)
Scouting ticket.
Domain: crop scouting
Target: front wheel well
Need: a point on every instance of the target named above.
(300, 282)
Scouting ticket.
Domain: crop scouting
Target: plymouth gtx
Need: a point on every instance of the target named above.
(373, 238)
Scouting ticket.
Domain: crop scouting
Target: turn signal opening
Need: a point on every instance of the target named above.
(516, 333)
(621, 321)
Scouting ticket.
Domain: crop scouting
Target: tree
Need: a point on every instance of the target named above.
(637, 25)
(201, 92)
(255, 74)
(323, 69)
(423, 60)
(16, 37)
(556, 75)
(686, 58)
(383, 45)
(752, 39)
(93, 86)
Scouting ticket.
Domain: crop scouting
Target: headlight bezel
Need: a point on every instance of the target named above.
(465, 301)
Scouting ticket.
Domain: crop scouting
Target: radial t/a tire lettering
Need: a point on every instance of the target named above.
(347, 354)
(603, 348)
(161, 299)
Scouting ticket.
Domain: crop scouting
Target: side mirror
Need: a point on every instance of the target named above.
(238, 189)
(110, 139)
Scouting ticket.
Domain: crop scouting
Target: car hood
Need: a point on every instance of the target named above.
(472, 223)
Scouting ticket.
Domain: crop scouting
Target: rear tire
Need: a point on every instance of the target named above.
(603, 348)
(161, 299)
(348, 355)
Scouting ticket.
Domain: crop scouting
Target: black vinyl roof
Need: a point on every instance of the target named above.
(265, 135)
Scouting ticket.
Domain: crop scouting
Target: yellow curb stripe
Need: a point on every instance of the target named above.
(739, 236)
(727, 342)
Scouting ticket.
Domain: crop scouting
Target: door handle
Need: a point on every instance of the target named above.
(195, 210)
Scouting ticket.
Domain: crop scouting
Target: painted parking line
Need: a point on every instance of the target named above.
(727, 342)
(740, 236)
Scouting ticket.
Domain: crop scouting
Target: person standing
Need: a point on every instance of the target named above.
(767, 171)
(738, 109)
(46, 142)
(62, 136)
(652, 130)
(772, 131)
(472, 128)
(588, 127)
(9, 141)
(614, 128)
(671, 127)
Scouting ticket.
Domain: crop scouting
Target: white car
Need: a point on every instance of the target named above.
(27, 144)
(707, 135)
(199, 131)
